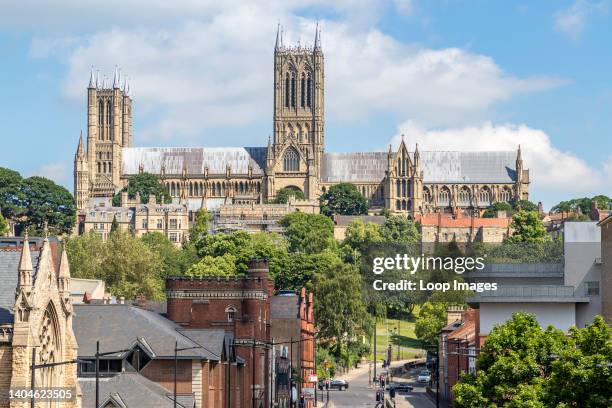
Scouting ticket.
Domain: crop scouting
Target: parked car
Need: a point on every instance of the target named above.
(403, 387)
(334, 384)
(424, 377)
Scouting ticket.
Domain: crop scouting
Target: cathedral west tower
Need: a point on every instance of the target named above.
(295, 152)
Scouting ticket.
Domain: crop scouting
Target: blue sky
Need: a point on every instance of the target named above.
(450, 75)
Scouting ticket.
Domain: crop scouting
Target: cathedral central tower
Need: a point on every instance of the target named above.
(296, 150)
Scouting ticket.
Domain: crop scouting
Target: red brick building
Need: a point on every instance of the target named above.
(459, 346)
(240, 305)
(293, 328)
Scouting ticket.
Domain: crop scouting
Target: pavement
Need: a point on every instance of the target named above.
(360, 394)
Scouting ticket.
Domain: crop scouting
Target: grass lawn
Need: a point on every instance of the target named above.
(386, 333)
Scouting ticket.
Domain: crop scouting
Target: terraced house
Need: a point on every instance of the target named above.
(402, 180)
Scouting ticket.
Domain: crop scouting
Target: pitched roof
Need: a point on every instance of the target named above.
(353, 167)
(448, 221)
(9, 262)
(437, 167)
(130, 390)
(120, 327)
(193, 159)
(468, 167)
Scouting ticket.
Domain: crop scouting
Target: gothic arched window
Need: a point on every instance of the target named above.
(303, 91)
(108, 114)
(444, 197)
(426, 195)
(464, 196)
(309, 91)
(505, 195)
(49, 349)
(291, 161)
(484, 196)
(287, 91)
(293, 90)
(100, 113)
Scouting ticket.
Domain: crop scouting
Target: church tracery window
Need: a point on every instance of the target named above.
(303, 91)
(49, 345)
(484, 196)
(505, 195)
(464, 196)
(287, 91)
(444, 197)
(291, 160)
(293, 96)
(309, 91)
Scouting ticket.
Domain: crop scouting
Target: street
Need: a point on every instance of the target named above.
(360, 394)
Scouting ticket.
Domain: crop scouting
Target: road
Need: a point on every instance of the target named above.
(361, 395)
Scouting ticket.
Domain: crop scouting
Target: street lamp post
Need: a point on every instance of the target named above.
(35, 366)
(98, 355)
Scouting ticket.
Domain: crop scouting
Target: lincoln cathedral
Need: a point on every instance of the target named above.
(403, 180)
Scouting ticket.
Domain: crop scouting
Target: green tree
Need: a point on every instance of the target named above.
(603, 203)
(491, 211)
(309, 233)
(201, 224)
(11, 197)
(282, 196)
(127, 265)
(224, 265)
(528, 227)
(86, 254)
(300, 269)
(4, 227)
(175, 262)
(114, 225)
(343, 199)
(524, 205)
(46, 202)
(432, 318)
(339, 310)
(399, 229)
(145, 184)
(359, 234)
(521, 365)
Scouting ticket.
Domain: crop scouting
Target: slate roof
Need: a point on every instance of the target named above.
(285, 307)
(194, 159)
(131, 390)
(468, 167)
(437, 166)
(120, 327)
(9, 261)
(353, 167)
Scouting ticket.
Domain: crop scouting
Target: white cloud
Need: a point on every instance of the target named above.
(57, 172)
(573, 20)
(554, 174)
(405, 7)
(218, 70)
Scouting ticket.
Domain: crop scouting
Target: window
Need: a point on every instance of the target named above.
(484, 197)
(291, 160)
(173, 237)
(230, 312)
(591, 288)
(444, 197)
(426, 195)
(309, 92)
(160, 224)
(505, 195)
(293, 90)
(464, 196)
(145, 224)
(173, 223)
(303, 91)
(287, 91)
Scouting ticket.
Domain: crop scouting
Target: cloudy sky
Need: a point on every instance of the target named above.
(449, 74)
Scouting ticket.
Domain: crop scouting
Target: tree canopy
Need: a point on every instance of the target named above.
(283, 195)
(521, 365)
(432, 317)
(343, 199)
(4, 227)
(528, 227)
(308, 233)
(603, 203)
(399, 229)
(145, 184)
(34, 201)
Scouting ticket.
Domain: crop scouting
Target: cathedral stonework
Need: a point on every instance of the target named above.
(38, 323)
(401, 181)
